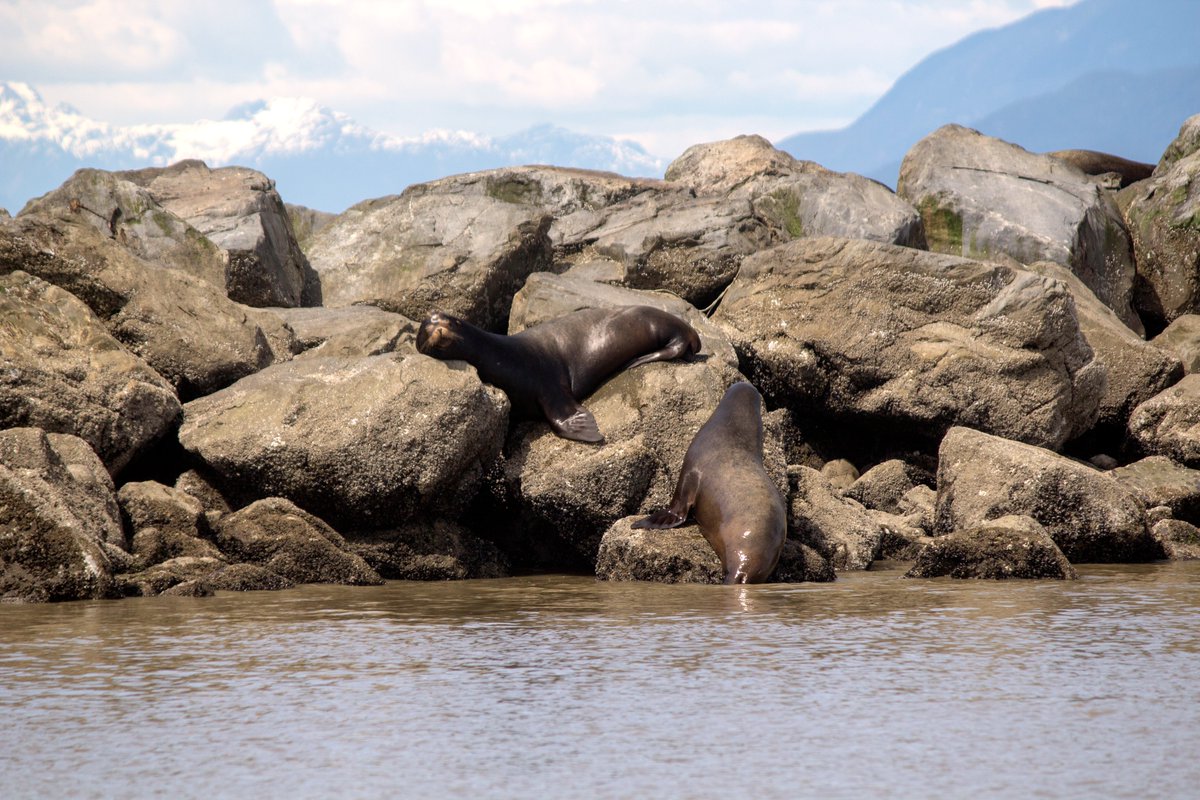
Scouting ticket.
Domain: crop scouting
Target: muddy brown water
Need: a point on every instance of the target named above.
(560, 686)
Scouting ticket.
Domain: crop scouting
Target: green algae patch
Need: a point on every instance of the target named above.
(943, 227)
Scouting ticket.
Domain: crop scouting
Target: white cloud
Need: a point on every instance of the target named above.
(493, 66)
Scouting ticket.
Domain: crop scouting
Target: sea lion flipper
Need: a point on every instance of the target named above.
(675, 514)
(571, 420)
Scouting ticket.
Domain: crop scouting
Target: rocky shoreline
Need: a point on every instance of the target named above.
(991, 372)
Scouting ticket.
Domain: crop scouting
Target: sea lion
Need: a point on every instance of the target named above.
(547, 369)
(1093, 162)
(727, 490)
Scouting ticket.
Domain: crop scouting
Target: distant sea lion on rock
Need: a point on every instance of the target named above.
(724, 485)
(547, 369)
(1093, 162)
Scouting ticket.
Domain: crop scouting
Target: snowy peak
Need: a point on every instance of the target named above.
(284, 137)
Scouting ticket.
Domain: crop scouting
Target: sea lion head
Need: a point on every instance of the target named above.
(439, 334)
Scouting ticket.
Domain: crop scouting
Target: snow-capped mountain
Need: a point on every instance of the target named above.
(318, 157)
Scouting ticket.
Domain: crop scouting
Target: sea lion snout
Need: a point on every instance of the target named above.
(435, 332)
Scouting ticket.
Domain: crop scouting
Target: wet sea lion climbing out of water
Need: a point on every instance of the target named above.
(546, 370)
(725, 488)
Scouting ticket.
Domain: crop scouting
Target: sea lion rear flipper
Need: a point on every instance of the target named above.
(675, 514)
(570, 420)
(678, 348)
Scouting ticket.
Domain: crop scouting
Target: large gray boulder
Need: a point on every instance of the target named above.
(60, 529)
(292, 543)
(837, 527)
(1168, 424)
(996, 549)
(1181, 339)
(1137, 370)
(60, 370)
(569, 195)
(128, 213)
(671, 239)
(1163, 215)
(365, 442)
(349, 331)
(858, 330)
(798, 198)
(980, 197)
(425, 251)
(239, 211)
(1090, 515)
(184, 327)
(683, 555)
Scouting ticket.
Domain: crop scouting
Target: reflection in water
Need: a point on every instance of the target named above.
(872, 686)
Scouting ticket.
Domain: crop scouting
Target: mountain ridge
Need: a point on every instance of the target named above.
(1030, 61)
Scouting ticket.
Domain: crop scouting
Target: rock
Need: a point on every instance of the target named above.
(836, 527)
(350, 331)
(1112, 172)
(671, 239)
(306, 222)
(1168, 424)
(1090, 515)
(1180, 540)
(1159, 481)
(278, 535)
(883, 485)
(682, 555)
(159, 578)
(565, 193)
(165, 522)
(1103, 461)
(1137, 370)
(798, 198)
(431, 551)
(919, 504)
(546, 296)
(202, 486)
(1182, 339)
(1163, 215)
(362, 442)
(901, 539)
(183, 327)
(840, 473)
(1006, 547)
(128, 213)
(245, 578)
(240, 212)
(902, 339)
(1185, 144)
(60, 530)
(980, 197)
(60, 370)
(424, 250)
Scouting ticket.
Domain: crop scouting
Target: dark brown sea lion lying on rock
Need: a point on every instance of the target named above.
(1093, 162)
(547, 369)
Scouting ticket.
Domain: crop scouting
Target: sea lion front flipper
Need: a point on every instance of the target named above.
(570, 420)
(675, 514)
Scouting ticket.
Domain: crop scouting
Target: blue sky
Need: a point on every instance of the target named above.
(666, 74)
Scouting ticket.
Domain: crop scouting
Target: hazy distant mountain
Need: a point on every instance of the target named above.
(1113, 75)
(318, 157)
